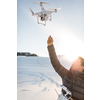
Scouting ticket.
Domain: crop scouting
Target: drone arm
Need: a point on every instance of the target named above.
(38, 19)
(41, 7)
(31, 11)
(45, 23)
(52, 11)
(50, 17)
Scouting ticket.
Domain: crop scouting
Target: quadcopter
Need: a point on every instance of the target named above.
(44, 15)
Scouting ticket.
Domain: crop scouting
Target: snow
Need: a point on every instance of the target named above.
(37, 79)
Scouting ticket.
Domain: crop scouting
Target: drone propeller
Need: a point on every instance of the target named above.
(59, 8)
(42, 3)
(55, 9)
(31, 11)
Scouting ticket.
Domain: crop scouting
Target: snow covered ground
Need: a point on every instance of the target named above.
(36, 78)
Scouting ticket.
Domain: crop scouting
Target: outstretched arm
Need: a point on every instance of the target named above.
(54, 60)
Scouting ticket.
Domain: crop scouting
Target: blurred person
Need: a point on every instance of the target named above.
(73, 79)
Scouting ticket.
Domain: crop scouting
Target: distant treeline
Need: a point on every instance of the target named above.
(25, 54)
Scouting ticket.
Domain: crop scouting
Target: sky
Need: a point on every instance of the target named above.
(66, 28)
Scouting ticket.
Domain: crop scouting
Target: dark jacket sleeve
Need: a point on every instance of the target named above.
(55, 62)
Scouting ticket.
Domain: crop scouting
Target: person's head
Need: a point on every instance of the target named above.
(78, 64)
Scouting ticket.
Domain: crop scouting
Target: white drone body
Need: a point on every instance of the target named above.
(44, 15)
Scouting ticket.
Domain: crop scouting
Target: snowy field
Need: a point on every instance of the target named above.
(36, 78)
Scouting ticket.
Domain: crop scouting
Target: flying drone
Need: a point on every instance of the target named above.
(44, 15)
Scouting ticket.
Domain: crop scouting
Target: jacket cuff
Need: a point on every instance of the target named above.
(50, 46)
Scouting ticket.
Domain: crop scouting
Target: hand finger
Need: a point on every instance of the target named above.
(70, 98)
(51, 38)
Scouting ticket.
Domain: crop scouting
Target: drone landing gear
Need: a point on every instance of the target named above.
(50, 17)
(42, 23)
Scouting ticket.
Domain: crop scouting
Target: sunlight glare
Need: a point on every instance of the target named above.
(65, 41)
(71, 57)
(71, 47)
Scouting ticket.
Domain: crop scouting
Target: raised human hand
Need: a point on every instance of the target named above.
(50, 41)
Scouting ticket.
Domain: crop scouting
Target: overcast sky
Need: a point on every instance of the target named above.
(66, 27)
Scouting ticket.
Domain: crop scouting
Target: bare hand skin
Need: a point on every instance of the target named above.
(50, 41)
(70, 98)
